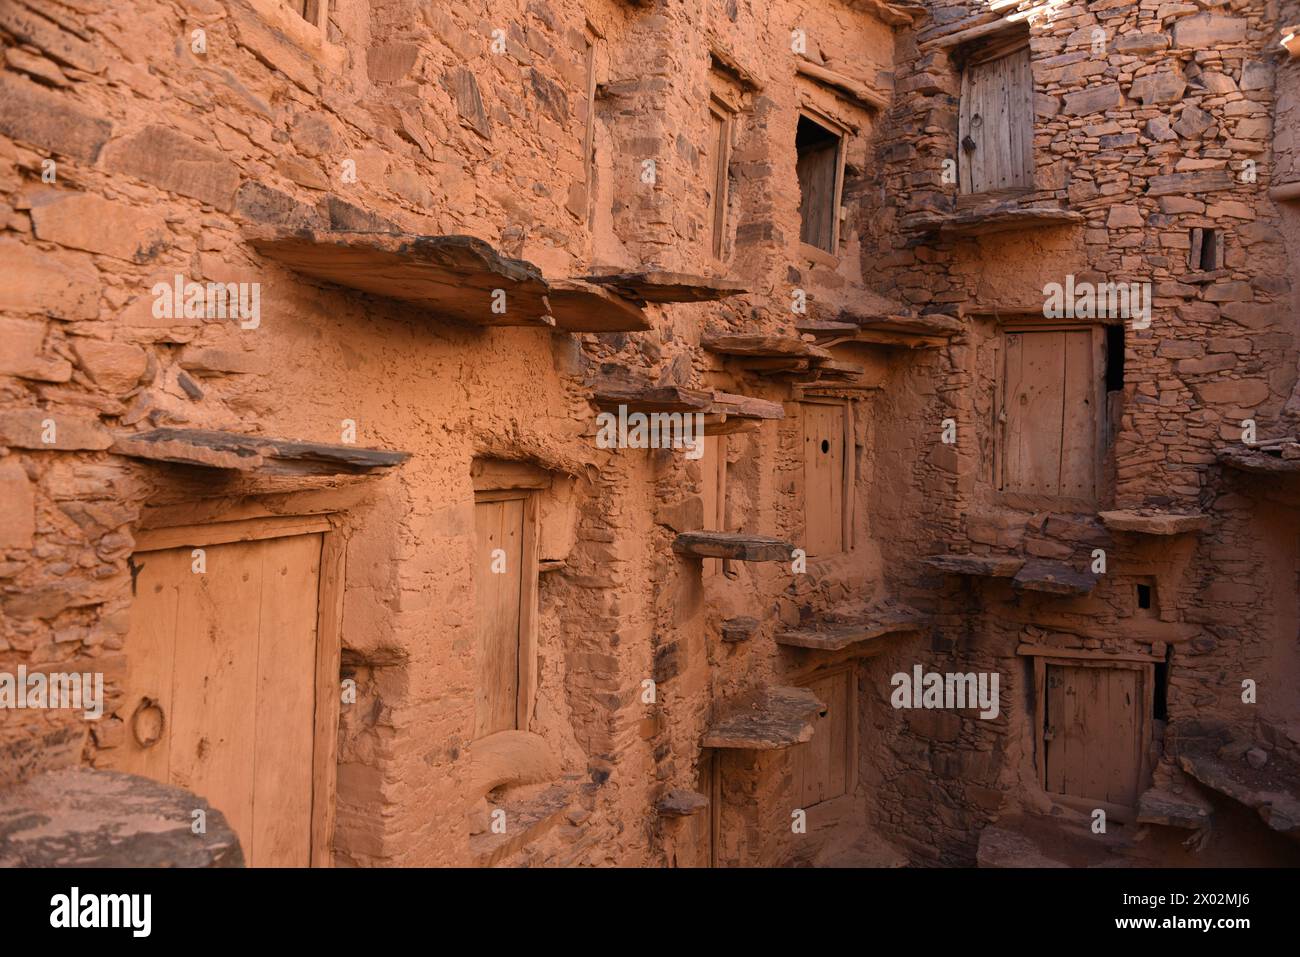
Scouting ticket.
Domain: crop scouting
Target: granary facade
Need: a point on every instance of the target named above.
(332, 336)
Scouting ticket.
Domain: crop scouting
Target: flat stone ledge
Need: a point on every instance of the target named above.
(838, 635)
(736, 546)
(1053, 578)
(680, 802)
(1153, 522)
(977, 566)
(765, 720)
(81, 817)
(664, 287)
(252, 453)
(1188, 811)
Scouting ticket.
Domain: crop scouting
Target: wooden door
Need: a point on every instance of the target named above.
(996, 124)
(824, 454)
(222, 685)
(504, 582)
(821, 766)
(1050, 412)
(719, 142)
(1093, 733)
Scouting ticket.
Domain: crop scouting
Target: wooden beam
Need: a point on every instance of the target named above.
(726, 60)
(1017, 20)
(855, 90)
(1088, 654)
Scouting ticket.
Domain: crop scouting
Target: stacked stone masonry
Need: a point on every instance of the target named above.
(320, 508)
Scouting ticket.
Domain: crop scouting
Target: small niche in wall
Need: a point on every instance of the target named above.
(1144, 599)
(1206, 252)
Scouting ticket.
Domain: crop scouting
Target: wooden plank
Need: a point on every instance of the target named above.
(285, 702)
(855, 90)
(1033, 404)
(151, 650)
(816, 171)
(329, 644)
(220, 533)
(720, 138)
(1078, 441)
(214, 725)
(1088, 654)
(498, 524)
(823, 479)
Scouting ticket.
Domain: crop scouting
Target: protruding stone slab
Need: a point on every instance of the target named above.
(1053, 578)
(454, 277)
(740, 629)
(637, 397)
(1273, 793)
(898, 331)
(737, 546)
(680, 802)
(1186, 810)
(249, 453)
(80, 817)
(1143, 521)
(977, 566)
(765, 720)
(1281, 460)
(838, 636)
(579, 306)
(765, 347)
(660, 287)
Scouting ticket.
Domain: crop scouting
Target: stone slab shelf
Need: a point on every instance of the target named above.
(650, 398)
(737, 546)
(838, 636)
(252, 453)
(910, 332)
(977, 566)
(983, 221)
(680, 802)
(530, 818)
(1273, 793)
(766, 719)
(742, 628)
(579, 306)
(765, 347)
(1053, 578)
(730, 412)
(1146, 521)
(1283, 459)
(453, 277)
(81, 817)
(665, 287)
(1187, 810)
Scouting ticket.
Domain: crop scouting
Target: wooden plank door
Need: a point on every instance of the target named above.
(996, 124)
(820, 766)
(1093, 733)
(824, 453)
(222, 685)
(816, 169)
(1050, 418)
(504, 579)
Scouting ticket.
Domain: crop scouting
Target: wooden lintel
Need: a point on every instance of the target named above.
(1087, 654)
(725, 60)
(249, 453)
(855, 90)
(1011, 22)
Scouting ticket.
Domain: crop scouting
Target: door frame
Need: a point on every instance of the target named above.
(1145, 667)
(495, 481)
(329, 639)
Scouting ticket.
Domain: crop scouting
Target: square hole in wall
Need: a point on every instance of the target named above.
(1145, 603)
(1206, 251)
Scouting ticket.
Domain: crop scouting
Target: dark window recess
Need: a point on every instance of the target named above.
(818, 167)
(1144, 596)
(1206, 253)
(1114, 358)
(1160, 693)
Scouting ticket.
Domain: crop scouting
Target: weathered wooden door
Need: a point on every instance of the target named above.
(820, 766)
(1050, 412)
(996, 124)
(1093, 733)
(222, 683)
(503, 573)
(823, 440)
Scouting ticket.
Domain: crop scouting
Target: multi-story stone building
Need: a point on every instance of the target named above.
(338, 335)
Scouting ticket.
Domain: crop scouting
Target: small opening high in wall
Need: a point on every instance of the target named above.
(818, 165)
